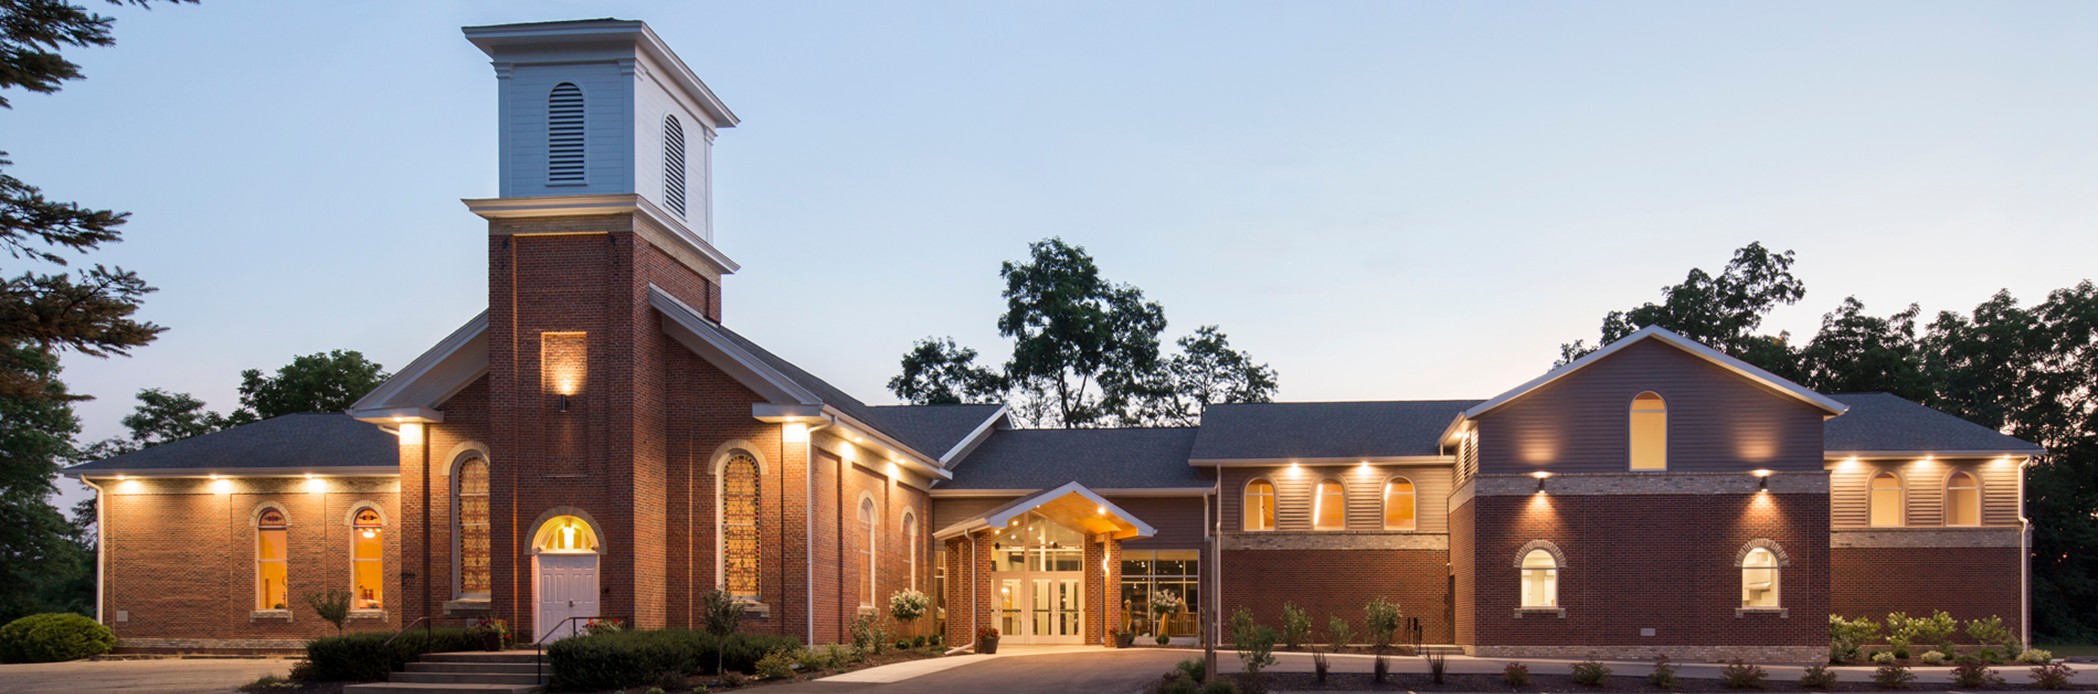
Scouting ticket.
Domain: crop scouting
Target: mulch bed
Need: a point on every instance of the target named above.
(712, 682)
(1399, 682)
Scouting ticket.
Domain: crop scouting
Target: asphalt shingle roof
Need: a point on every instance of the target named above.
(1096, 458)
(1325, 429)
(289, 443)
(929, 429)
(1887, 422)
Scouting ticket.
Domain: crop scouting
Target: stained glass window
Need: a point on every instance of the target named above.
(472, 510)
(367, 562)
(270, 572)
(739, 525)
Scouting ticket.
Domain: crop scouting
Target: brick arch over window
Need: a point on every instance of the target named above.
(1776, 550)
(350, 518)
(1558, 556)
(739, 484)
(255, 515)
(530, 540)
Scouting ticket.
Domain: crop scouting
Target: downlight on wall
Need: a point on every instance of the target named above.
(1541, 477)
(1762, 480)
(563, 365)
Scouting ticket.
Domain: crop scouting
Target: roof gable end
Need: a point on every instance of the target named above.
(1829, 406)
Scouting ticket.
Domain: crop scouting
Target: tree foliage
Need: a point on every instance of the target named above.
(2029, 371)
(43, 558)
(318, 382)
(159, 417)
(1085, 352)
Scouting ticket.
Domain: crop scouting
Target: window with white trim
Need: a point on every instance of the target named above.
(1962, 499)
(1329, 507)
(740, 502)
(1885, 503)
(910, 535)
(271, 572)
(674, 165)
(368, 561)
(867, 529)
(1400, 508)
(1649, 430)
(1759, 578)
(1540, 579)
(470, 516)
(1259, 509)
(564, 135)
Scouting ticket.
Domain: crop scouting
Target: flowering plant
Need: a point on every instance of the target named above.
(987, 633)
(1165, 603)
(494, 625)
(908, 605)
(603, 625)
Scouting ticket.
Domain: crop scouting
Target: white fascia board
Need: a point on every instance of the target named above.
(1371, 459)
(1742, 368)
(1911, 455)
(918, 460)
(697, 333)
(1011, 511)
(976, 436)
(1449, 433)
(235, 473)
(938, 493)
(674, 231)
(413, 393)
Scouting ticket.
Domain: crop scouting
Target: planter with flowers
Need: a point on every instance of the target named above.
(987, 640)
(1163, 604)
(495, 633)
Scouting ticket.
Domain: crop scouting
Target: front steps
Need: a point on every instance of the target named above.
(499, 672)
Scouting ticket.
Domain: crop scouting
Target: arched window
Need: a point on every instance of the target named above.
(1759, 578)
(1260, 505)
(470, 517)
(1399, 508)
(910, 535)
(367, 561)
(1962, 500)
(1540, 579)
(270, 570)
(1649, 432)
(564, 135)
(867, 528)
(1329, 509)
(674, 165)
(740, 503)
(1886, 500)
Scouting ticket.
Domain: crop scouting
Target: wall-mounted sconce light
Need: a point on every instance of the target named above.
(1540, 475)
(1762, 479)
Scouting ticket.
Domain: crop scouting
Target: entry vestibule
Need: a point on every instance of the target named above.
(1039, 568)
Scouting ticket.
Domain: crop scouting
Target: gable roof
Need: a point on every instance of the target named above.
(938, 430)
(1099, 458)
(1888, 423)
(1655, 332)
(1071, 503)
(413, 393)
(1285, 430)
(295, 444)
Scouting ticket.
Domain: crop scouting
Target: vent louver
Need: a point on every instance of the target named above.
(674, 165)
(564, 135)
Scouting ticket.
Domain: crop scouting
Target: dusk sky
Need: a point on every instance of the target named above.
(1381, 200)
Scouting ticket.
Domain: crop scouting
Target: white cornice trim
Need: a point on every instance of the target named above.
(938, 493)
(447, 367)
(236, 473)
(1357, 460)
(975, 436)
(1838, 456)
(491, 38)
(919, 460)
(695, 332)
(1741, 368)
(660, 227)
(997, 518)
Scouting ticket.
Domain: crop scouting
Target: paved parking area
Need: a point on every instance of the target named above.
(179, 676)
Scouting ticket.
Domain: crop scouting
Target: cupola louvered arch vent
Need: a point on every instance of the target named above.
(674, 165)
(564, 135)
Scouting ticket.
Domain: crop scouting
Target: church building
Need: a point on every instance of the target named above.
(600, 443)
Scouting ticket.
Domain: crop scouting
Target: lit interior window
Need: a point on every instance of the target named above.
(1759, 576)
(1540, 579)
(1962, 500)
(1886, 500)
(1330, 507)
(270, 571)
(368, 562)
(1649, 432)
(739, 525)
(472, 508)
(1399, 509)
(1260, 505)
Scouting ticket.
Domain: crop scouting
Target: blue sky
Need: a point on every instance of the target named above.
(1382, 200)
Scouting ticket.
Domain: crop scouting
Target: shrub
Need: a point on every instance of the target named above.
(333, 606)
(870, 633)
(1893, 676)
(1847, 637)
(629, 658)
(1193, 668)
(908, 605)
(1381, 620)
(1319, 666)
(1743, 675)
(1590, 672)
(902, 644)
(1901, 631)
(1935, 629)
(1381, 668)
(2052, 675)
(2035, 656)
(1180, 684)
(1992, 632)
(1338, 633)
(1664, 673)
(1817, 677)
(1256, 649)
(365, 657)
(668, 679)
(733, 678)
(1438, 663)
(1241, 623)
(1221, 686)
(1883, 657)
(52, 637)
(1296, 625)
(1971, 672)
(1517, 674)
(778, 665)
(1933, 657)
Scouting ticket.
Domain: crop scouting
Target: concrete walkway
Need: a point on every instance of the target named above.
(175, 675)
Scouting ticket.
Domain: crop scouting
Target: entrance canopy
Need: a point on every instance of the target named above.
(1071, 505)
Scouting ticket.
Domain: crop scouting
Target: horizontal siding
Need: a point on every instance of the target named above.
(1365, 490)
(1923, 490)
(1717, 420)
(1178, 520)
(949, 511)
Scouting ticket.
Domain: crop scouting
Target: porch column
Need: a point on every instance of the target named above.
(970, 593)
(1103, 587)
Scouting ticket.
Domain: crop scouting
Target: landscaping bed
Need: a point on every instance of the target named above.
(1304, 681)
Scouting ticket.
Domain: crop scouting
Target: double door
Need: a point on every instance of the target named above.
(1041, 606)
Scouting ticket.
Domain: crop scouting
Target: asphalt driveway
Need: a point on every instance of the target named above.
(179, 676)
(1101, 670)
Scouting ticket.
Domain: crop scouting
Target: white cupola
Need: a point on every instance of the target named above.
(602, 107)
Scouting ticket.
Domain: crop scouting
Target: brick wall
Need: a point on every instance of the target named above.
(1339, 582)
(1967, 582)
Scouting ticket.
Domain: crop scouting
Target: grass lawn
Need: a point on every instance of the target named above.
(2064, 650)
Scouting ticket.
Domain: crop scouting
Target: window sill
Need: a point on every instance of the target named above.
(754, 608)
(268, 615)
(1779, 612)
(367, 614)
(474, 604)
(866, 609)
(1559, 612)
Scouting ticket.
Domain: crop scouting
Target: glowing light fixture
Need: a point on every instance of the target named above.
(219, 486)
(1540, 475)
(1762, 478)
(411, 434)
(795, 432)
(315, 485)
(1102, 510)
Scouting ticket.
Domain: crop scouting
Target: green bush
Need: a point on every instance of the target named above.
(1338, 633)
(365, 657)
(1893, 676)
(2052, 675)
(1992, 633)
(1847, 637)
(1296, 626)
(1193, 668)
(1817, 677)
(47, 638)
(1516, 674)
(1180, 684)
(1743, 675)
(1664, 673)
(1590, 673)
(1381, 619)
(1972, 673)
(634, 658)
(779, 664)
(1220, 686)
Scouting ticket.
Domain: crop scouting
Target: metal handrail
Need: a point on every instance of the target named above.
(539, 663)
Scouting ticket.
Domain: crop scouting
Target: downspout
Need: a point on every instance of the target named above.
(101, 545)
(1216, 553)
(430, 607)
(973, 607)
(808, 524)
(2024, 560)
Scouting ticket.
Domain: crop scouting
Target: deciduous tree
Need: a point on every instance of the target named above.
(319, 382)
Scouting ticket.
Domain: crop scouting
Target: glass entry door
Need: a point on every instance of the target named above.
(1037, 568)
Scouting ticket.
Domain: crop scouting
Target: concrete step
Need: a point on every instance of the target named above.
(482, 657)
(490, 666)
(467, 677)
(434, 688)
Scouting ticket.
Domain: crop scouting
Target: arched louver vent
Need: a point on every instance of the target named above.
(674, 165)
(564, 135)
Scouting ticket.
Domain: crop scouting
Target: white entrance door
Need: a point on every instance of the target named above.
(567, 587)
(1040, 607)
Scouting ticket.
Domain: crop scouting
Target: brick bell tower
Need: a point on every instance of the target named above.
(606, 141)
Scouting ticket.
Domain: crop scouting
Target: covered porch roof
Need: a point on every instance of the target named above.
(1072, 505)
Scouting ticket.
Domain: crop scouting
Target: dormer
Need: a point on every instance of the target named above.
(602, 107)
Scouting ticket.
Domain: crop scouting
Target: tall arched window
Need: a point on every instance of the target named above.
(1260, 505)
(564, 135)
(1962, 500)
(470, 517)
(1759, 578)
(910, 535)
(1886, 500)
(867, 528)
(1540, 579)
(367, 561)
(1329, 509)
(1399, 508)
(270, 550)
(739, 525)
(674, 165)
(1649, 432)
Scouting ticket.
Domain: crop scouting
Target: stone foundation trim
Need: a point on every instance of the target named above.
(1559, 612)
(213, 644)
(1646, 483)
(475, 605)
(1334, 540)
(1779, 612)
(1677, 654)
(1925, 537)
(265, 615)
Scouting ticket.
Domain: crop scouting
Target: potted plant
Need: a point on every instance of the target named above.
(494, 633)
(1123, 639)
(987, 640)
(1162, 604)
